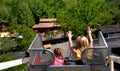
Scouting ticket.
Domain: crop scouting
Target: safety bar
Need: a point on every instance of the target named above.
(111, 60)
(101, 40)
(37, 42)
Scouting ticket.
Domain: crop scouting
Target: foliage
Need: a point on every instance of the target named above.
(28, 35)
(73, 15)
(26, 32)
(6, 57)
(24, 14)
(7, 44)
(78, 14)
(17, 11)
(4, 11)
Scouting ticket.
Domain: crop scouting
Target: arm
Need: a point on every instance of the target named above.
(90, 37)
(70, 40)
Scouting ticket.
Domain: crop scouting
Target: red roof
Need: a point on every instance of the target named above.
(45, 25)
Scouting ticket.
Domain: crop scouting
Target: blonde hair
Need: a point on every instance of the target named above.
(81, 42)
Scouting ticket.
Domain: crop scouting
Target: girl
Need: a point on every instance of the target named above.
(59, 59)
(81, 43)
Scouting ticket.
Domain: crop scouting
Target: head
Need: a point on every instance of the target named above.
(57, 52)
(82, 42)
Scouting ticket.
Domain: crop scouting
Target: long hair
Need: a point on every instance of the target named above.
(81, 42)
(58, 52)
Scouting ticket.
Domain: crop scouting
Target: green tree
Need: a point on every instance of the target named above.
(79, 14)
(7, 44)
(24, 14)
(116, 12)
(28, 36)
(4, 11)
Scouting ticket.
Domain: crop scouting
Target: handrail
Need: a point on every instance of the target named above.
(102, 41)
(12, 63)
(111, 60)
(37, 42)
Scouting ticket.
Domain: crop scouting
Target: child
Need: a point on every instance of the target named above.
(82, 42)
(59, 59)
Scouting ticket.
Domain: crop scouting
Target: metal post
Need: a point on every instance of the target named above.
(111, 65)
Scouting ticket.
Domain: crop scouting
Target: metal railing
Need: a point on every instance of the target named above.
(111, 59)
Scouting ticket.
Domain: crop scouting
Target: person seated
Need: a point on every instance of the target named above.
(59, 59)
(82, 42)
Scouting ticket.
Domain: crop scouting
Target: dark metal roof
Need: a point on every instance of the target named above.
(110, 28)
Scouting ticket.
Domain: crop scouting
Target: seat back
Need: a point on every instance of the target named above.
(38, 55)
(96, 54)
(41, 57)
